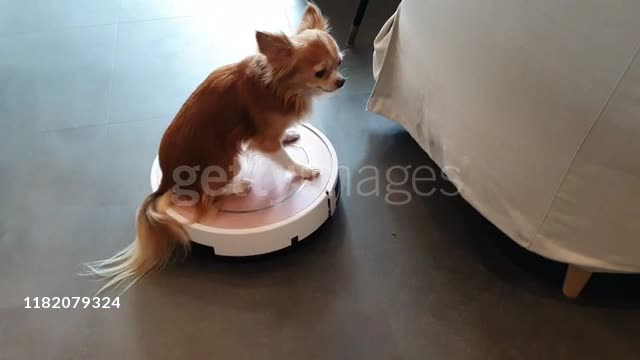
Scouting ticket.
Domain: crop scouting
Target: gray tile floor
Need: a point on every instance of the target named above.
(86, 90)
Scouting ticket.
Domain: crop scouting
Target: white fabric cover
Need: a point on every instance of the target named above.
(532, 108)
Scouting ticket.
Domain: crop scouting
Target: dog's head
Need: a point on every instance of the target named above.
(307, 61)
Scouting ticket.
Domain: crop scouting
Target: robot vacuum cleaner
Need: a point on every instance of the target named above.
(279, 211)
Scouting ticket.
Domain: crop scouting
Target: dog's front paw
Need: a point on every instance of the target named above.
(307, 172)
(290, 136)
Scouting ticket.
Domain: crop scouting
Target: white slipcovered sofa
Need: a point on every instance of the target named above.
(536, 105)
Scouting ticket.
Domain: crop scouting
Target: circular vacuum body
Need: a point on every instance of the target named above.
(279, 211)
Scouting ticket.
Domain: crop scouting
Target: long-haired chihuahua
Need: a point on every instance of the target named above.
(246, 105)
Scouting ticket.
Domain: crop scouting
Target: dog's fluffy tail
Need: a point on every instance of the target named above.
(158, 238)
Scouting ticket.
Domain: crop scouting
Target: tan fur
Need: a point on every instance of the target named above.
(250, 102)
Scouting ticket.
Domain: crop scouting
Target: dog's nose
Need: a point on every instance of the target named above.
(340, 83)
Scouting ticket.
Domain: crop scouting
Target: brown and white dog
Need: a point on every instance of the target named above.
(249, 104)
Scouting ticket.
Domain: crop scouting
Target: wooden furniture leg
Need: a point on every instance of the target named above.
(574, 281)
(357, 20)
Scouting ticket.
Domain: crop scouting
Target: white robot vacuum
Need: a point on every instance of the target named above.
(279, 211)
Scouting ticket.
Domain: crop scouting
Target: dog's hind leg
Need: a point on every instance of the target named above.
(238, 184)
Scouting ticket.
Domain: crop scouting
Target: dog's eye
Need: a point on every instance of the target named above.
(339, 62)
(320, 74)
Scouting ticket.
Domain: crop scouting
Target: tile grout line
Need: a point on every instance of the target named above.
(156, 19)
(79, 27)
(138, 120)
(113, 66)
(289, 20)
(53, 28)
(67, 128)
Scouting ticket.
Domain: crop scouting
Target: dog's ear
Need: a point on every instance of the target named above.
(274, 46)
(313, 19)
